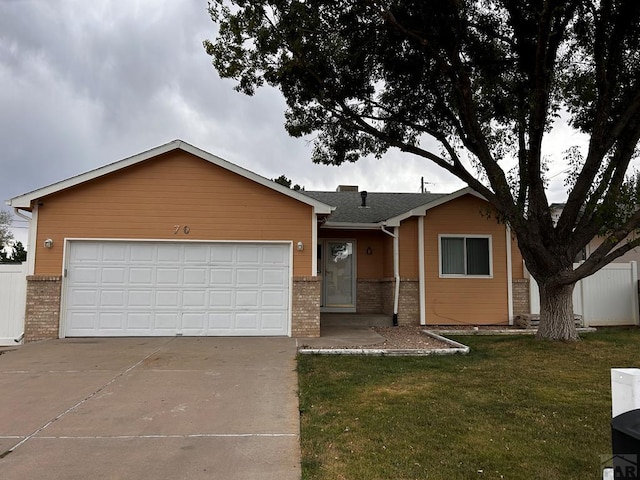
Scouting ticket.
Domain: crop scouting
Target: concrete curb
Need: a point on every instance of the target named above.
(456, 348)
(523, 331)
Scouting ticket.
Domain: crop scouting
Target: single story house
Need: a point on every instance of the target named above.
(177, 241)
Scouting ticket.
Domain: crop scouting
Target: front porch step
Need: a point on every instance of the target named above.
(532, 320)
(355, 320)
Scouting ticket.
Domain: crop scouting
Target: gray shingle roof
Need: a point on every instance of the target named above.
(380, 206)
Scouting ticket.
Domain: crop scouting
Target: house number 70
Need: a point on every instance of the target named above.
(185, 229)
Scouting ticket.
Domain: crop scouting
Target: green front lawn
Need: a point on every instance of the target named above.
(514, 408)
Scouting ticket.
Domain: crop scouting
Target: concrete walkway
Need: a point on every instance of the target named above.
(157, 408)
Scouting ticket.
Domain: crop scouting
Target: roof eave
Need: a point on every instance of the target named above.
(351, 226)
(25, 201)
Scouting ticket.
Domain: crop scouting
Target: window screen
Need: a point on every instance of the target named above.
(465, 256)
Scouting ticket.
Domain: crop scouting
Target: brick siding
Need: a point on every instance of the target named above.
(42, 315)
(369, 296)
(306, 307)
(521, 296)
(409, 302)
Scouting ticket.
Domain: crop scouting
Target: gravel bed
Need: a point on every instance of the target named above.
(401, 338)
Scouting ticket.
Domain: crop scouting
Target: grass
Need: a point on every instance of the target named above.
(514, 408)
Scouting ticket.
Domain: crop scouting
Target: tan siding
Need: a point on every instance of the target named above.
(409, 248)
(453, 301)
(145, 201)
(387, 265)
(517, 268)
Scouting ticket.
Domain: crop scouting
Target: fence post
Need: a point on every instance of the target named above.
(634, 292)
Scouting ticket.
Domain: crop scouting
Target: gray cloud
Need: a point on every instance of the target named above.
(89, 83)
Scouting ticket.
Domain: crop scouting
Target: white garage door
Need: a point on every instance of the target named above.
(166, 289)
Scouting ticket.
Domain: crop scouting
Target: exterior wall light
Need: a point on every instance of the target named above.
(48, 243)
(300, 246)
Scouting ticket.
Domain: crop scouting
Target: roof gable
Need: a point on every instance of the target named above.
(382, 208)
(25, 201)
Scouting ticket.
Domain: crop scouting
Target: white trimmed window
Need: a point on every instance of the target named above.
(465, 256)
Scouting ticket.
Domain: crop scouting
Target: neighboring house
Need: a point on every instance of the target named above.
(176, 241)
(631, 256)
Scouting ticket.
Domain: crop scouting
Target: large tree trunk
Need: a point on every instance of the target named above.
(556, 313)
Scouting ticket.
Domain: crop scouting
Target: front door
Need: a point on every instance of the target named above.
(339, 280)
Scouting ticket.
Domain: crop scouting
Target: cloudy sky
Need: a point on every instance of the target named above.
(83, 84)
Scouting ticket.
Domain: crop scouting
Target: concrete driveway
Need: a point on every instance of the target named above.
(153, 408)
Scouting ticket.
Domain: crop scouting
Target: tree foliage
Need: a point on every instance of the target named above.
(19, 254)
(484, 81)
(5, 227)
(283, 180)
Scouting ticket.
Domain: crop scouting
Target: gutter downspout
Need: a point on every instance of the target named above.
(421, 273)
(396, 270)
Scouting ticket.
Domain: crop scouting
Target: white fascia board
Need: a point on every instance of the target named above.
(422, 210)
(24, 201)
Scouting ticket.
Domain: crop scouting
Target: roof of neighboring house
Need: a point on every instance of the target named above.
(25, 201)
(381, 208)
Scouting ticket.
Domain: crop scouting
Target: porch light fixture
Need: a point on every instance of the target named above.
(369, 251)
(48, 243)
(300, 246)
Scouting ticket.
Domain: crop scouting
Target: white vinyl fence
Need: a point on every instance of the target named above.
(13, 298)
(608, 297)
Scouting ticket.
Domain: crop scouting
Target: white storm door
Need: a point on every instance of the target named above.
(339, 281)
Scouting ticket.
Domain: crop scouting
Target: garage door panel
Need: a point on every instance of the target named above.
(273, 299)
(140, 276)
(168, 276)
(114, 275)
(112, 298)
(85, 274)
(221, 254)
(167, 298)
(272, 321)
(141, 254)
(167, 322)
(195, 276)
(140, 299)
(221, 276)
(156, 288)
(169, 253)
(194, 299)
(247, 321)
(247, 276)
(274, 277)
(141, 321)
(84, 321)
(198, 254)
(194, 322)
(114, 253)
(221, 299)
(247, 298)
(84, 297)
(248, 254)
(274, 256)
(220, 321)
(111, 321)
(86, 252)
